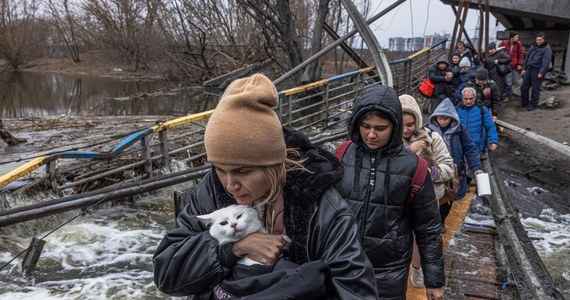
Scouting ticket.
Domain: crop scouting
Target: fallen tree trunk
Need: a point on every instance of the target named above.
(7, 137)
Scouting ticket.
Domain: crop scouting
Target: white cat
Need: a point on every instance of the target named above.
(231, 224)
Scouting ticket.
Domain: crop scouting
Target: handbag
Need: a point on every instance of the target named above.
(426, 88)
(452, 187)
(503, 69)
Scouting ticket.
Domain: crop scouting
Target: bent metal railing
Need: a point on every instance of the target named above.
(311, 108)
(146, 159)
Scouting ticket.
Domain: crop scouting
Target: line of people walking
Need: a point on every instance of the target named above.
(350, 226)
(503, 64)
(355, 223)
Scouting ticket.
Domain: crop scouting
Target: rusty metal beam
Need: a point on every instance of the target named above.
(333, 45)
(368, 36)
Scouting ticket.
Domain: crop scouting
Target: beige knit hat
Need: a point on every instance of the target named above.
(244, 130)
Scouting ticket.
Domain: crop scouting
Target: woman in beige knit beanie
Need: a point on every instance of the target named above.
(276, 170)
(431, 146)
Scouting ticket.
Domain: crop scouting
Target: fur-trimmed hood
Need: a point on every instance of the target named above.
(302, 189)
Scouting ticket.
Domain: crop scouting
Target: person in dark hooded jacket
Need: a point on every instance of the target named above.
(446, 122)
(378, 174)
(289, 181)
(442, 77)
(496, 59)
(488, 93)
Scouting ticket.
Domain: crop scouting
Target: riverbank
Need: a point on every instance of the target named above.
(95, 63)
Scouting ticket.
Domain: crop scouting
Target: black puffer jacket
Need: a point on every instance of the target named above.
(443, 89)
(503, 59)
(379, 201)
(318, 221)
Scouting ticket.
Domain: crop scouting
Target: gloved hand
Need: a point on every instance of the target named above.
(434, 173)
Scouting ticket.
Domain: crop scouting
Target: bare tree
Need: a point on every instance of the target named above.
(313, 71)
(277, 24)
(123, 25)
(18, 30)
(208, 37)
(64, 22)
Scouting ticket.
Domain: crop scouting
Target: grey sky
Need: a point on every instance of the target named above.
(413, 18)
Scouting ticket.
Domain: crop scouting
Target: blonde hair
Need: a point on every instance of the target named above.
(277, 174)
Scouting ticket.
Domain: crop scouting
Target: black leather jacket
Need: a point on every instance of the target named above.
(190, 261)
(376, 185)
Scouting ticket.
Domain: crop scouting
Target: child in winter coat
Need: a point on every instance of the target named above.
(445, 121)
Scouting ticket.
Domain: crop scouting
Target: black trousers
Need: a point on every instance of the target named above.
(444, 210)
(531, 80)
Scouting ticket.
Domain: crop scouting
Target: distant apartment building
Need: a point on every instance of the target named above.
(436, 38)
(400, 44)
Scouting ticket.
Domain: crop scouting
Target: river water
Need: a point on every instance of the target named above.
(107, 253)
(25, 94)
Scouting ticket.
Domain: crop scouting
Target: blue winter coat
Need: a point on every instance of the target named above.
(478, 122)
(458, 142)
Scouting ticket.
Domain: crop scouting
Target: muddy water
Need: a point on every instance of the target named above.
(26, 94)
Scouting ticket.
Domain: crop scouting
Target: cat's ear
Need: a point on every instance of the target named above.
(206, 219)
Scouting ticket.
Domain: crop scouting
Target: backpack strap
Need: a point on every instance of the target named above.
(481, 109)
(339, 153)
(418, 179)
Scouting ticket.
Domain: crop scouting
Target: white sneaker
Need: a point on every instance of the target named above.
(417, 277)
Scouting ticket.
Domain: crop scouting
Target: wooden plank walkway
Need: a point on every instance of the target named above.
(470, 264)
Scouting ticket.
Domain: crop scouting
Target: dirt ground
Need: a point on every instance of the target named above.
(552, 123)
(518, 154)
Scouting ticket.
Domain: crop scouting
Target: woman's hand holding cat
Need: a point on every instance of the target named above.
(418, 146)
(262, 247)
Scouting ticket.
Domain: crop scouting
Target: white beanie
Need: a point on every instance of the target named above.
(464, 62)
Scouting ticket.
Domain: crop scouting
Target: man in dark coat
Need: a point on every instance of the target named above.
(496, 61)
(536, 64)
(376, 183)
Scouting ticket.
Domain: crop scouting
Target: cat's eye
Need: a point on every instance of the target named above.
(224, 223)
(239, 216)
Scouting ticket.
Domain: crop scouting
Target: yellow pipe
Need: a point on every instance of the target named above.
(183, 120)
(306, 87)
(424, 50)
(22, 171)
